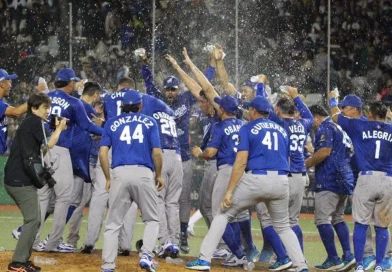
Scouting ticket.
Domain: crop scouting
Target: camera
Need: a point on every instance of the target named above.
(47, 176)
(53, 118)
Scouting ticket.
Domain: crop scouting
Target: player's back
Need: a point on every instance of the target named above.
(113, 103)
(267, 143)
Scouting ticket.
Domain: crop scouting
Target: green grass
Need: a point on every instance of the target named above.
(314, 250)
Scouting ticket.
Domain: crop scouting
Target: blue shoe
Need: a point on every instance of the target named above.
(199, 265)
(387, 263)
(281, 264)
(348, 263)
(265, 256)
(330, 264)
(251, 255)
(369, 262)
(147, 263)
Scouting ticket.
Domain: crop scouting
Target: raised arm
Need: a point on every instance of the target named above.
(333, 106)
(228, 88)
(304, 111)
(151, 89)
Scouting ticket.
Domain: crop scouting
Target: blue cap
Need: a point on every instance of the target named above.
(250, 84)
(259, 103)
(5, 75)
(66, 74)
(132, 97)
(171, 82)
(228, 103)
(351, 100)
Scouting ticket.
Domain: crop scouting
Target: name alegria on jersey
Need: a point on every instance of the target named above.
(297, 128)
(60, 102)
(232, 129)
(375, 134)
(259, 126)
(129, 119)
(180, 111)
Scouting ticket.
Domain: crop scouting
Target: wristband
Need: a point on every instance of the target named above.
(333, 102)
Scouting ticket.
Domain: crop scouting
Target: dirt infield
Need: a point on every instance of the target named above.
(77, 262)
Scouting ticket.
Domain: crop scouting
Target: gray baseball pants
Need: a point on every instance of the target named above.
(130, 183)
(185, 197)
(206, 188)
(273, 189)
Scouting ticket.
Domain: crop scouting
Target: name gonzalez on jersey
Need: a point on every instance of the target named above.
(259, 126)
(375, 134)
(129, 119)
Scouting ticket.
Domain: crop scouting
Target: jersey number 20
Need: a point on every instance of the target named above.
(136, 135)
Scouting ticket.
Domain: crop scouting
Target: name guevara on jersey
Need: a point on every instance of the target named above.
(129, 119)
(375, 134)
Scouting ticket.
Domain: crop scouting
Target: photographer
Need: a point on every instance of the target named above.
(19, 185)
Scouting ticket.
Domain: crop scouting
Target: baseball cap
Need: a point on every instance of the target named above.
(259, 103)
(66, 74)
(5, 75)
(171, 82)
(132, 97)
(228, 103)
(351, 100)
(249, 84)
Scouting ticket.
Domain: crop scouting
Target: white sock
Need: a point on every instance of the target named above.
(194, 218)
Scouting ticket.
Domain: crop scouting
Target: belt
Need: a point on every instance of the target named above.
(303, 174)
(171, 150)
(369, 173)
(265, 172)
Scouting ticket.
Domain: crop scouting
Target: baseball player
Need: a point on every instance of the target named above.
(373, 192)
(262, 154)
(80, 155)
(136, 149)
(333, 183)
(65, 106)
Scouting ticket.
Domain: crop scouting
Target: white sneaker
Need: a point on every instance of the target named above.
(40, 247)
(64, 248)
(147, 263)
(190, 231)
(360, 268)
(235, 262)
(221, 254)
(16, 233)
(165, 250)
(378, 269)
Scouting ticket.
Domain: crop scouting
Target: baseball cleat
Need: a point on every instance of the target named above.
(107, 270)
(251, 255)
(123, 252)
(18, 267)
(165, 250)
(359, 268)
(147, 263)
(40, 247)
(199, 265)
(369, 262)
(330, 264)
(16, 233)
(235, 262)
(221, 254)
(387, 263)
(348, 263)
(30, 265)
(175, 252)
(64, 248)
(184, 243)
(281, 264)
(139, 245)
(87, 249)
(378, 268)
(266, 256)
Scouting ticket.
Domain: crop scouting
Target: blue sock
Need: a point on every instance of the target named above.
(237, 232)
(328, 237)
(382, 238)
(230, 240)
(71, 209)
(246, 231)
(266, 244)
(344, 237)
(184, 228)
(298, 231)
(276, 243)
(359, 239)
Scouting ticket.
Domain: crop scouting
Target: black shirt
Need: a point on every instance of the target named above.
(28, 140)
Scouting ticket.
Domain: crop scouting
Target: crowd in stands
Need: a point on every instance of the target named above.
(285, 39)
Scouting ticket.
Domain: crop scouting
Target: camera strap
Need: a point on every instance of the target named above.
(47, 147)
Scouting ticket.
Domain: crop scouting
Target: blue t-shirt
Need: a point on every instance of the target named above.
(132, 137)
(334, 173)
(267, 143)
(372, 142)
(71, 108)
(81, 147)
(225, 138)
(3, 127)
(298, 130)
(181, 107)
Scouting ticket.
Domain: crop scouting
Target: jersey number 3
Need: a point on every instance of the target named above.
(137, 134)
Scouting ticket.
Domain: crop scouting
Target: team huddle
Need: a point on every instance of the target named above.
(133, 153)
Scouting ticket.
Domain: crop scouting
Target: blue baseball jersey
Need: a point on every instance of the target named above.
(3, 127)
(354, 166)
(132, 137)
(334, 173)
(81, 147)
(225, 138)
(71, 108)
(297, 130)
(112, 103)
(181, 107)
(267, 144)
(372, 142)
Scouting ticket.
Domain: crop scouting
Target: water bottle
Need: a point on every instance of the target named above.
(174, 261)
(284, 89)
(249, 266)
(254, 79)
(336, 91)
(209, 48)
(44, 261)
(140, 52)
